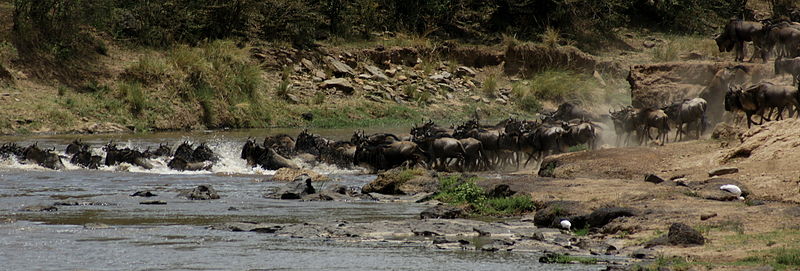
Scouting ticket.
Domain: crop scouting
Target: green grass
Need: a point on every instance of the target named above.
(149, 68)
(319, 97)
(561, 86)
(489, 87)
(581, 147)
(134, 96)
(582, 232)
(568, 259)
(455, 189)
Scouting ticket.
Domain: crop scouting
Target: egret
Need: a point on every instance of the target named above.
(566, 224)
(733, 189)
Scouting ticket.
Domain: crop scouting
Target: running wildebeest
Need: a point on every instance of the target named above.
(74, 147)
(624, 125)
(647, 118)
(266, 158)
(788, 66)
(581, 132)
(84, 158)
(687, 112)
(44, 158)
(115, 156)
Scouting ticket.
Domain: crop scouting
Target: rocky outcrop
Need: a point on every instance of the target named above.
(400, 181)
(710, 189)
(554, 211)
(290, 174)
(526, 59)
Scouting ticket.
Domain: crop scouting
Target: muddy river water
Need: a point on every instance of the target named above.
(110, 230)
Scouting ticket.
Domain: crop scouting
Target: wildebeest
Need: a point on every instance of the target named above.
(84, 158)
(309, 143)
(580, 132)
(788, 66)
(44, 158)
(757, 98)
(74, 147)
(687, 112)
(163, 150)
(115, 156)
(783, 37)
(474, 155)
(266, 158)
(441, 149)
(542, 140)
(735, 33)
(624, 124)
(283, 144)
(568, 112)
(386, 156)
(647, 118)
(12, 149)
(186, 158)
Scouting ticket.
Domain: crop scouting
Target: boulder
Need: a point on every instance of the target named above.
(442, 212)
(682, 234)
(601, 217)
(338, 83)
(400, 181)
(441, 77)
(679, 235)
(554, 211)
(339, 68)
(465, 71)
(500, 191)
(652, 178)
(145, 193)
(722, 171)
(201, 192)
(290, 174)
(297, 189)
(376, 73)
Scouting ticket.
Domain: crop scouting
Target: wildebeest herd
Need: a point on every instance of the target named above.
(780, 38)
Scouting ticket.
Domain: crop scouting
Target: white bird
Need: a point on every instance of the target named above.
(566, 224)
(733, 189)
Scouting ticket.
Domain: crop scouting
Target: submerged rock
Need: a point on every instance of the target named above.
(201, 192)
(39, 208)
(297, 189)
(442, 212)
(145, 193)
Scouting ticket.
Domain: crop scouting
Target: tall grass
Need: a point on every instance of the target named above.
(148, 68)
(550, 37)
(675, 46)
(489, 87)
(561, 86)
(134, 96)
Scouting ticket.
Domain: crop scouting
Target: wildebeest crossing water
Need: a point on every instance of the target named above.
(97, 216)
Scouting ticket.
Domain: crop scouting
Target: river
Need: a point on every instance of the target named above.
(118, 233)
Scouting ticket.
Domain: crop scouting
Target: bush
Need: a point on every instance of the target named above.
(149, 68)
(455, 189)
(134, 96)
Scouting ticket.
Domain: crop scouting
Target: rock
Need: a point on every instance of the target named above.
(707, 216)
(391, 72)
(201, 192)
(652, 178)
(553, 211)
(320, 74)
(39, 208)
(402, 78)
(308, 64)
(500, 191)
(644, 253)
(648, 44)
(693, 55)
(400, 181)
(291, 174)
(153, 202)
(145, 194)
(308, 116)
(465, 71)
(341, 84)
(722, 171)
(709, 189)
(682, 234)
(80, 203)
(297, 189)
(442, 212)
(475, 98)
(247, 226)
(376, 73)
(441, 77)
(339, 68)
(293, 99)
(601, 217)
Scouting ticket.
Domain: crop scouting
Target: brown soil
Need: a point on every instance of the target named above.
(615, 177)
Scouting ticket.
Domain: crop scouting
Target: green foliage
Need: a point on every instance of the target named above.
(149, 68)
(7, 52)
(788, 257)
(319, 97)
(455, 189)
(489, 87)
(582, 232)
(561, 86)
(134, 96)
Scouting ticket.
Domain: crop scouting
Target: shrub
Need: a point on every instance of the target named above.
(148, 68)
(489, 87)
(134, 96)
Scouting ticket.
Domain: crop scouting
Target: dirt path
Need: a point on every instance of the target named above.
(736, 231)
